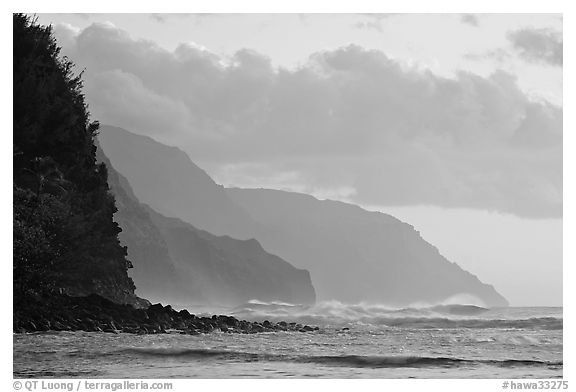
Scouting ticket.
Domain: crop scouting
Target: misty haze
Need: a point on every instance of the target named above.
(282, 195)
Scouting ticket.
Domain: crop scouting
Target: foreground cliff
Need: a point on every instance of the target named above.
(65, 239)
(69, 268)
(176, 262)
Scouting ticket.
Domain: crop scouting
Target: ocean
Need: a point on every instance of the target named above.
(354, 341)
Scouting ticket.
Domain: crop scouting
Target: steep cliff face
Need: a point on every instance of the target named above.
(155, 274)
(358, 255)
(177, 263)
(164, 178)
(65, 240)
(230, 271)
(353, 255)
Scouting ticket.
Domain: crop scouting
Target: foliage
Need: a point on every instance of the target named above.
(65, 238)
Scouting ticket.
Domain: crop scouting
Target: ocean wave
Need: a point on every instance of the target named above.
(508, 339)
(546, 323)
(361, 361)
(334, 313)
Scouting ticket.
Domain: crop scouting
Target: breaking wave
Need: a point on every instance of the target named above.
(334, 313)
(360, 361)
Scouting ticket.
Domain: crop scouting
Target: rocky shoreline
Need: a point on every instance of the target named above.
(94, 313)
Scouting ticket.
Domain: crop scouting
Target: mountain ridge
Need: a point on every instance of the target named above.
(353, 254)
(375, 240)
(168, 193)
(177, 263)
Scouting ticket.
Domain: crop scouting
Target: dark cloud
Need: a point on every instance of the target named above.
(538, 45)
(350, 123)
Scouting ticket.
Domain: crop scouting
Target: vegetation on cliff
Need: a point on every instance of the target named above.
(70, 270)
(65, 239)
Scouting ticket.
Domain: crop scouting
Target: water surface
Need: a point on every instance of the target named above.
(355, 341)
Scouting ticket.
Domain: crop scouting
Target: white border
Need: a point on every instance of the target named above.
(301, 6)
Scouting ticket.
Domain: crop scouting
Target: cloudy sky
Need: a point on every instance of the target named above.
(450, 122)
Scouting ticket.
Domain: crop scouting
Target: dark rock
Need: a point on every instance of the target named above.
(156, 308)
(141, 314)
(97, 314)
(58, 326)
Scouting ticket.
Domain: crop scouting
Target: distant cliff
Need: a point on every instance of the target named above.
(164, 178)
(352, 254)
(155, 274)
(175, 262)
(357, 255)
(230, 271)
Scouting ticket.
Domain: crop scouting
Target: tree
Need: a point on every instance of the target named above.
(65, 238)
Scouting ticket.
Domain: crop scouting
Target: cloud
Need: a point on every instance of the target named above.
(538, 45)
(160, 18)
(66, 34)
(134, 105)
(350, 123)
(470, 19)
(499, 55)
(163, 18)
(372, 22)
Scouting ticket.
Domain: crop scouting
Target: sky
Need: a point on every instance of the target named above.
(451, 122)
